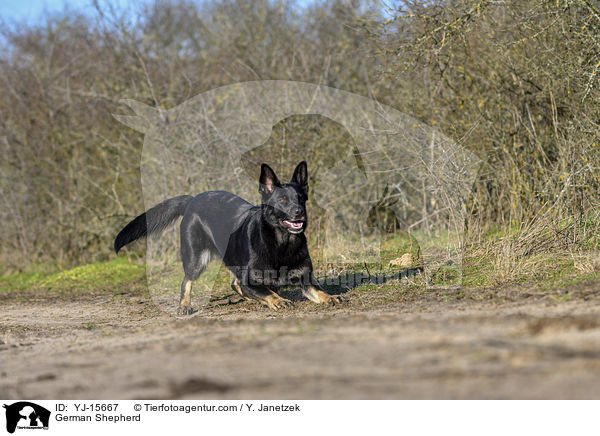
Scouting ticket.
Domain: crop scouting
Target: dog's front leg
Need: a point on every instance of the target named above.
(317, 295)
(266, 297)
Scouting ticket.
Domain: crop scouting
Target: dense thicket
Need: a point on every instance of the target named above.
(516, 82)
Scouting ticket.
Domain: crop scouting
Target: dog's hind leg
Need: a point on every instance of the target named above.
(193, 265)
(185, 300)
(195, 256)
(235, 285)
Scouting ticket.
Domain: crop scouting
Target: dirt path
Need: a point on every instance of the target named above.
(492, 346)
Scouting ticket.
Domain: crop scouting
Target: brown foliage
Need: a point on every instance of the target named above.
(515, 82)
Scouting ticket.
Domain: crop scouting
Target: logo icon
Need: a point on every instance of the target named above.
(26, 415)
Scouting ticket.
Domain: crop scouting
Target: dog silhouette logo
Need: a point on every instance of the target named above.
(26, 415)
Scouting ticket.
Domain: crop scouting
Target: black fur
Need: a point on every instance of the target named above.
(155, 220)
(263, 246)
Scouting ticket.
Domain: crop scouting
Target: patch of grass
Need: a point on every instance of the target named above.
(496, 261)
(109, 275)
(540, 270)
(20, 281)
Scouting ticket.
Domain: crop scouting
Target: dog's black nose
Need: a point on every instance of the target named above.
(299, 213)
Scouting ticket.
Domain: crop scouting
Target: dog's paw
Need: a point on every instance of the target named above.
(328, 299)
(276, 302)
(282, 304)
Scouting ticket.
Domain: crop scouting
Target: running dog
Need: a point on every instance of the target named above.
(263, 246)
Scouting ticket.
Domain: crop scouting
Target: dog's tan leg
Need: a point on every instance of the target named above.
(185, 300)
(235, 285)
(318, 296)
(266, 297)
(276, 302)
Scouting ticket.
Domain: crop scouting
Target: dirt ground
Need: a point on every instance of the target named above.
(498, 343)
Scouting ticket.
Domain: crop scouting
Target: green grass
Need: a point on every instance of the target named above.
(483, 267)
(108, 275)
(540, 270)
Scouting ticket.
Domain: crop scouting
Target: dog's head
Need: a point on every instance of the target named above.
(284, 205)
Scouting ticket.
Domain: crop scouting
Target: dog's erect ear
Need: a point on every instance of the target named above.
(268, 180)
(300, 176)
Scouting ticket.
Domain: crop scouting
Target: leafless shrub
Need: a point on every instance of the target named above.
(514, 82)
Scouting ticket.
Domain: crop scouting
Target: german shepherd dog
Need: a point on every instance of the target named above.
(263, 246)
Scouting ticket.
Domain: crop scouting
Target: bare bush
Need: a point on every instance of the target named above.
(514, 82)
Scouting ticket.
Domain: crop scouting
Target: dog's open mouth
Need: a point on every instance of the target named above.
(293, 226)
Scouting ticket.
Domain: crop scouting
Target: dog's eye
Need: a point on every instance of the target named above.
(282, 200)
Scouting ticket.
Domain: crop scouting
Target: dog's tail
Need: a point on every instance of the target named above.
(154, 220)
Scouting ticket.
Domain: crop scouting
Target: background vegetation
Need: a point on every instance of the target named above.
(515, 82)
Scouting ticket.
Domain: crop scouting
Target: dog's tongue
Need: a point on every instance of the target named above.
(296, 225)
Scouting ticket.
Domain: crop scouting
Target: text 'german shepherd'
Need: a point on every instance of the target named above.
(263, 246)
